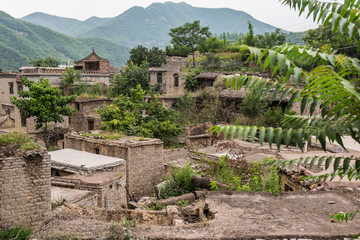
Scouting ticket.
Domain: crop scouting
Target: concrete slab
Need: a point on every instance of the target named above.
(71, 195)
(83, 159)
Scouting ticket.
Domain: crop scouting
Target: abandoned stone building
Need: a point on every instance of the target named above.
(10, 85)
(93, 68)
(170, 76)
(101, 178)
(145, 158)
(86, 118)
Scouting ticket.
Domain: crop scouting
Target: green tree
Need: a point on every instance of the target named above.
(190, 35)
(269, 40)
(45, 62)
(70, 77)
(132, 76)
(155, 56)
(249, 38)
(43, 102)
(331, 86)
(179, 51)
(125, 115)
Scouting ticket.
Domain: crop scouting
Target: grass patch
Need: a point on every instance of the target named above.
(21, 139)
(18, 233)
(105, 135)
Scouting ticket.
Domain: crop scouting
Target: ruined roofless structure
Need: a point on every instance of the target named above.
(93, 64)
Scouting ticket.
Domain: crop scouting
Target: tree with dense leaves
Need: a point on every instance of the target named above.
(43, 102)
(125, 115)
(269, 40)
(155, 56)
(190, 35)
(70, 77)
(45, 62)
(130, 78)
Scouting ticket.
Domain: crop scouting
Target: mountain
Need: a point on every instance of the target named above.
(68, 26)
(20, 40)
(150, 26)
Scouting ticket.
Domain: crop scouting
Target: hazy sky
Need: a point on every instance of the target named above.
(269, 11)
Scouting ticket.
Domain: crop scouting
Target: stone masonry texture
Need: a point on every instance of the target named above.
(25, 191)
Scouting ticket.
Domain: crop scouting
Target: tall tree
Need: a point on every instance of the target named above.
(43, 102)
(249, 38)
(155, 56)
(191, 35)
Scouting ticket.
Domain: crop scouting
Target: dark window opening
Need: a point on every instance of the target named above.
(288, 189)
(94, 66)
(57, 174)
(77, 106)
(90, 125)
(78, 67)
(23, 120)
(159, 78)
(11, 88)
(176, 80)
(20, 88)
(7, 111)
(97, 151)
(69, 120)
(63, 145)
(110, 186)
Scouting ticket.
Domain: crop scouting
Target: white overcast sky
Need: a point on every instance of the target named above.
(269, 11)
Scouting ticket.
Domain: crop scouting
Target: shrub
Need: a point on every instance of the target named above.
(253, 105)
(15, 138)
(182, 177)
(273, 117)
(18, 233)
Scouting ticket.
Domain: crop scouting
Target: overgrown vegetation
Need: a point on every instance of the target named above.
(45, 62)
(18, 233)
(125, 115)
(155, 57)
(20, 140)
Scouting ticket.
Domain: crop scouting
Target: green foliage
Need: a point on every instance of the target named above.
(176, 50)
(269, 40)
(273, 117)
(211, 61)
(20, 139)
(45, 62)
(96, 90)
(190, 35)
(191, 84)
(155, 207)
(130, 78)
(125, 115)
(43, 102)
(179, 183)
(155, 56)
(182, 203)
(70, 77)
(253, 105)
(212, 44)
(295, 38)
(249, 38)
(16, 233)
(81, 88)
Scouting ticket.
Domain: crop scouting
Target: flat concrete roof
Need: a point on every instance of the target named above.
(71, 195)
(83, 159)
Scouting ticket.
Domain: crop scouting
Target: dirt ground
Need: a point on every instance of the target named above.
(249, 215)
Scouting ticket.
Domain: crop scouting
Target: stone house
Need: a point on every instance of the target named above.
(86, 118)
(170, 76)
(101, 178)
(145, 158)
(10, 116)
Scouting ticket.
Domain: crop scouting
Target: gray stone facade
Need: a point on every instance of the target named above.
(25, 191)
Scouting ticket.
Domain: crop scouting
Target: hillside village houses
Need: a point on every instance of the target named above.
(91, 172)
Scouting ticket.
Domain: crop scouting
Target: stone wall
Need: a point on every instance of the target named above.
(196, 135)
(197, 129)
(144, 159)
(25, 191)
(87, 113)
(171, 155)
(88, 201)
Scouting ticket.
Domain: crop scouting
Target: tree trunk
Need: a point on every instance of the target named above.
(193, 53)
(204, 182)
(45, 135)
(157, 191)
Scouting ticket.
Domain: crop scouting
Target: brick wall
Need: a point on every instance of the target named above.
(25, 191)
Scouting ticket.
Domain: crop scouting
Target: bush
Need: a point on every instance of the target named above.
(253, 105)
(16, 233)
(273, 117)
(21, 139)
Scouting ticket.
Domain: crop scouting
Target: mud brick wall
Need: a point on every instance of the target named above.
(197, 129)
(89, 201)
(199, 141)
(25, 191)
(145, 168)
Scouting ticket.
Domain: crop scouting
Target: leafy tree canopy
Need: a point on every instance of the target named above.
(155, 56)
(45, 62)
(190, 35)
(179, 51)
(130, 78)
(43, 102)
(70, 77)
(125, 115)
